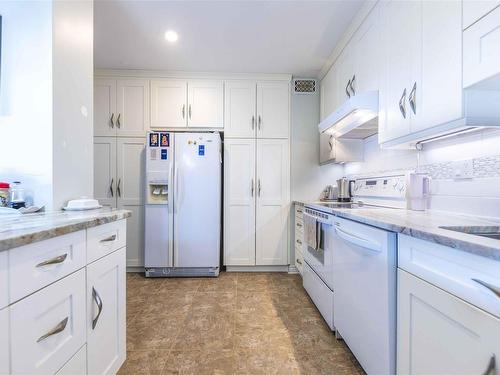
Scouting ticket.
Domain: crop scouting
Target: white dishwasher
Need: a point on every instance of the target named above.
(364, 275)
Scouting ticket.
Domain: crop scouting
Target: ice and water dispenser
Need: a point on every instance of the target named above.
(158, 168)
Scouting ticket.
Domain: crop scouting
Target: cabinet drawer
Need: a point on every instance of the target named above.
(299, 242)
(299, 260)
(77, 365)
(452, 270)
(299, 226)
(105, 239)
(4, 280)
(299, 212)
(48, 327)
(480, 54)
(34, 266)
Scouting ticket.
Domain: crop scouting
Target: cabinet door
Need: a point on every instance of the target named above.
(400, 28)
(438, 89)
(104, 107)
(133, 107)
(205, 104)
(130, 194)
(439, 333)
(326, 153)
(4, 342)
(4, 280)
(474, 10)
(273, 109)
(168, 103)
(239, 202)
(273, 194)
(366, 54)
(345, 73)
(240, 102)
(329, 99)
(106, 314)
(105, 170)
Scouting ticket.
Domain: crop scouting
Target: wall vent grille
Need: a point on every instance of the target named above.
(304, 86)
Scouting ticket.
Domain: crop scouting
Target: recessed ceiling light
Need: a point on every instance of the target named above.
(171, 36)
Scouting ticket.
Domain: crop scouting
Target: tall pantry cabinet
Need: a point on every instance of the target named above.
(256, 173)
(121, 120)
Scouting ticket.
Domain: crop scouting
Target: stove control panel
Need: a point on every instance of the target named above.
(384, 187)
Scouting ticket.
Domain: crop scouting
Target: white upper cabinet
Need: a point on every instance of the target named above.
(273, 109)
(273, 190)
(345, 73)
(439, 333)
(419, 92)
(239, 202)
(104, 107)
(168, 103)
(481, 50)
(240, 106)
(105, 170)
(474, 10)
(132, 105)
(179, 103)
(205, 104)
(437, 88)
(121, 107)
(329, 94)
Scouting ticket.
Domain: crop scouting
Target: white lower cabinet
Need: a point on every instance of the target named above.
(48, 327)
(4, 342)
(106, 314)
(4, 277)
(439, 333)
(77, 365)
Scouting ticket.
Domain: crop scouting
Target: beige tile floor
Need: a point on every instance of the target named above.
(239, 323)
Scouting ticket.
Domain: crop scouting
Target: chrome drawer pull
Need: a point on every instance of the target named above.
(54, 331)
(98, 301)
(298, 261)
(299, 225)
(299, 242)
(491, 287)
(56, 260)
(109, 239)
(490, 370)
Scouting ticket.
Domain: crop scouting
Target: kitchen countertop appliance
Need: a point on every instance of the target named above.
(344, 189)
(183, 204)
(356, 264)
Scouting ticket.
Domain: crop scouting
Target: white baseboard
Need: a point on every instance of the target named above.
(135, 269)
(257, 268)
(293, 269)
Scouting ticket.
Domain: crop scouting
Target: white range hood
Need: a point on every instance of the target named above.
(357, 118)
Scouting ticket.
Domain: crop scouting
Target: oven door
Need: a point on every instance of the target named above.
(321, 260)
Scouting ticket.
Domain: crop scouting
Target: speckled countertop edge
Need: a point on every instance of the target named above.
(20, 230)
(425, 225)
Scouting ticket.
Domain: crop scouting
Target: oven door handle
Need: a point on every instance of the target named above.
(362, 242)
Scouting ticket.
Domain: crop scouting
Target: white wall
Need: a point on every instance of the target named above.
(46, 78)
(26, 97)
(308, 178)
(73, 152)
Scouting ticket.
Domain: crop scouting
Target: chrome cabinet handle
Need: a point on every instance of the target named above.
(112, 120)
(118, 189)
(54, 331)
(347, 89)
(299, 211)
(411, 98)
(402, 106)
(493, 288)
(98, 301)
(259, 122)
(490, 370)
(253, 122)
(183, 110)
(109, 239)
(299, 225)
(330, 142)
(111, 188)
(252, 187)
(259, 187)
(299, 242)
(118, 124)
(189, 111)
(351, 85)
(298, 261)
(56, 260)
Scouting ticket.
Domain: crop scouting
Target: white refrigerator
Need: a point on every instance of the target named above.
(183, 204)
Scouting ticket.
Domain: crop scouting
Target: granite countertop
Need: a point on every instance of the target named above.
(426, 225)
(19, 230)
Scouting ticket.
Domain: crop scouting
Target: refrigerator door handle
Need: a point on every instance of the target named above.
(170, 195)
(176, 189)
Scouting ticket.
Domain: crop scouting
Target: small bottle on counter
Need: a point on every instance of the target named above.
(17, 196)
(4, 194)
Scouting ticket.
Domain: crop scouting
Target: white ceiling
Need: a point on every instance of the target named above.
(220, 36)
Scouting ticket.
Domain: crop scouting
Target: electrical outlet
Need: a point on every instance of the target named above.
(463, 169)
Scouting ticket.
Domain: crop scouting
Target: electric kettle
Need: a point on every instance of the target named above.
(344, 189)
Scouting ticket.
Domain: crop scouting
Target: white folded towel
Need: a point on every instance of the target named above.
(311, 232)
